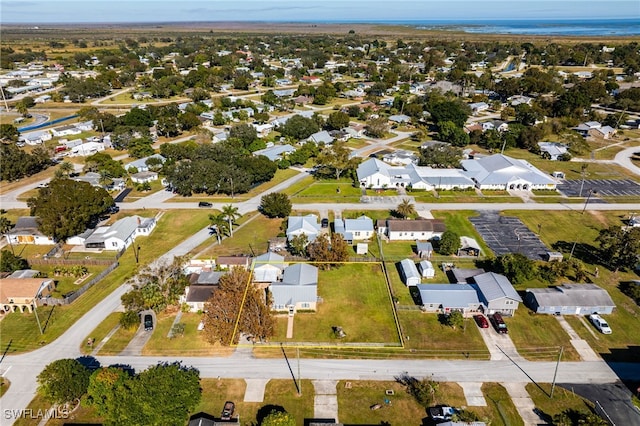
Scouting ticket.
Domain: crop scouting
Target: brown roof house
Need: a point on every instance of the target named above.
(22, 294)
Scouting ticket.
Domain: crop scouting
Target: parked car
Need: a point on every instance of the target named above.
(227, 410)
(600, 324)
(148, 322)
(442, 412)
(498, 323)
(204, 204)
(481, 320)
(324, 223)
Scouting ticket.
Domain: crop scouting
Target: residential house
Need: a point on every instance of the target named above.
(121, 234)
(499, 125)
(141, 164)
(354, 229)
(339, 135)
(407, 230)
(200, 289)
(553, 150)
(26, 231)
(86, 149)
(67, 130)
(321, 137)
(500, 172)
(478, 107)
(519, 100)
(585, 128)
(84, 126)
(297, 290)
(276, 152)
(229, 262)
(447, 298)
(464, 275)
(92, 178)
(469, 247)
(399, 118)
(426, 269)
(263, 130)
(303, 225)
(571, 299)
(497, 293)
(355, 131)
(36, 138)
(424, 249)
(23, 294)
(400, 157)
(268, 267)
(409, 273)
(144, 177)
(605, 132)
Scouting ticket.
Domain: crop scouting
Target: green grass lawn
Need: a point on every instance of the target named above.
(362, 307)
(502, 410)
(99, 333)
(118, 341)
(22, 329)
(340, 191)
(191, 343)
(355, 398)
(539, 337)
(562, 399)
(426, 337)
(253, 236)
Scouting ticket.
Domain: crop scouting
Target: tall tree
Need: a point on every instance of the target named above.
(335, 160)
(231, 214)
(66, 208)
(275, 204)
(449, 243)
(619, 247)
(516, 266)
(64, 381)
(328, 251)
(225, 310)
(219, 223)
(279, 418)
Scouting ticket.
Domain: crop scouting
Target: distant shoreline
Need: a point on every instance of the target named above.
(534, 29)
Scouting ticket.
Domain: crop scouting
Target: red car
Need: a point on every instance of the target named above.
(481, 321)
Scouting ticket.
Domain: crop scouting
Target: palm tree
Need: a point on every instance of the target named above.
(219, 223)
(66, 168)
(231, 214)
(405, 208)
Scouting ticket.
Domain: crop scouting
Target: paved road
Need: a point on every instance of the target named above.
(623, 158)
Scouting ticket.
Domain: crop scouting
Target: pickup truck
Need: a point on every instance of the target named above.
(600, 324)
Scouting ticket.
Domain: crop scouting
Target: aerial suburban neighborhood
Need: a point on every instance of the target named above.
(311, 224)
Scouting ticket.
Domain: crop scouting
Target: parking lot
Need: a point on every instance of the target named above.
(507, 234)
(601, 187)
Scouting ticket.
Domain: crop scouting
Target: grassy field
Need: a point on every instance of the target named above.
(503, 412)
(562, 400)
(539, 337)
(190, 344)
(361, 307)
(101, 331)
(22, 329)
(118, 341)
(341, 191)
(253, 236)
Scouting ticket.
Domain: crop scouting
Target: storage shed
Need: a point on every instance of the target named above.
(426, 269)
(409, 273)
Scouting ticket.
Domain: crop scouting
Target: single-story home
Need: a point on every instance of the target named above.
(426, 269)
(297, 290)
(497, 293)
(572, 299)
(263, 130)
(36, 138)
(303, 225)
(86, 149)
(144, 177)
(67, 130)
(445, 298)
(400, 157)
(499, 125)
(399, 118)
(26, 231)
(195, 296)
(229, 262)
(409, 273)
(500, 172)
(121, 234)
(275, 152)
(406, 229)
(553, 150)
(605, 132)
(354, 229)
(141, 164)
(478, 107)
(268, 267)
(321, 137)
(19, 294)
(355, 131)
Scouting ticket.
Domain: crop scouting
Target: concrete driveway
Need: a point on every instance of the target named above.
(134, 348)
(499, 345)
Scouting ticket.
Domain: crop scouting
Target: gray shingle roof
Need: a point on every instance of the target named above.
(448, 295)
(572, 295)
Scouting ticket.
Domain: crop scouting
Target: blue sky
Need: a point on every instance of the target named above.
(86, 11)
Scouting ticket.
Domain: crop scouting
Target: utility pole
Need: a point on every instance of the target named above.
(555, 374)
(299, 382)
